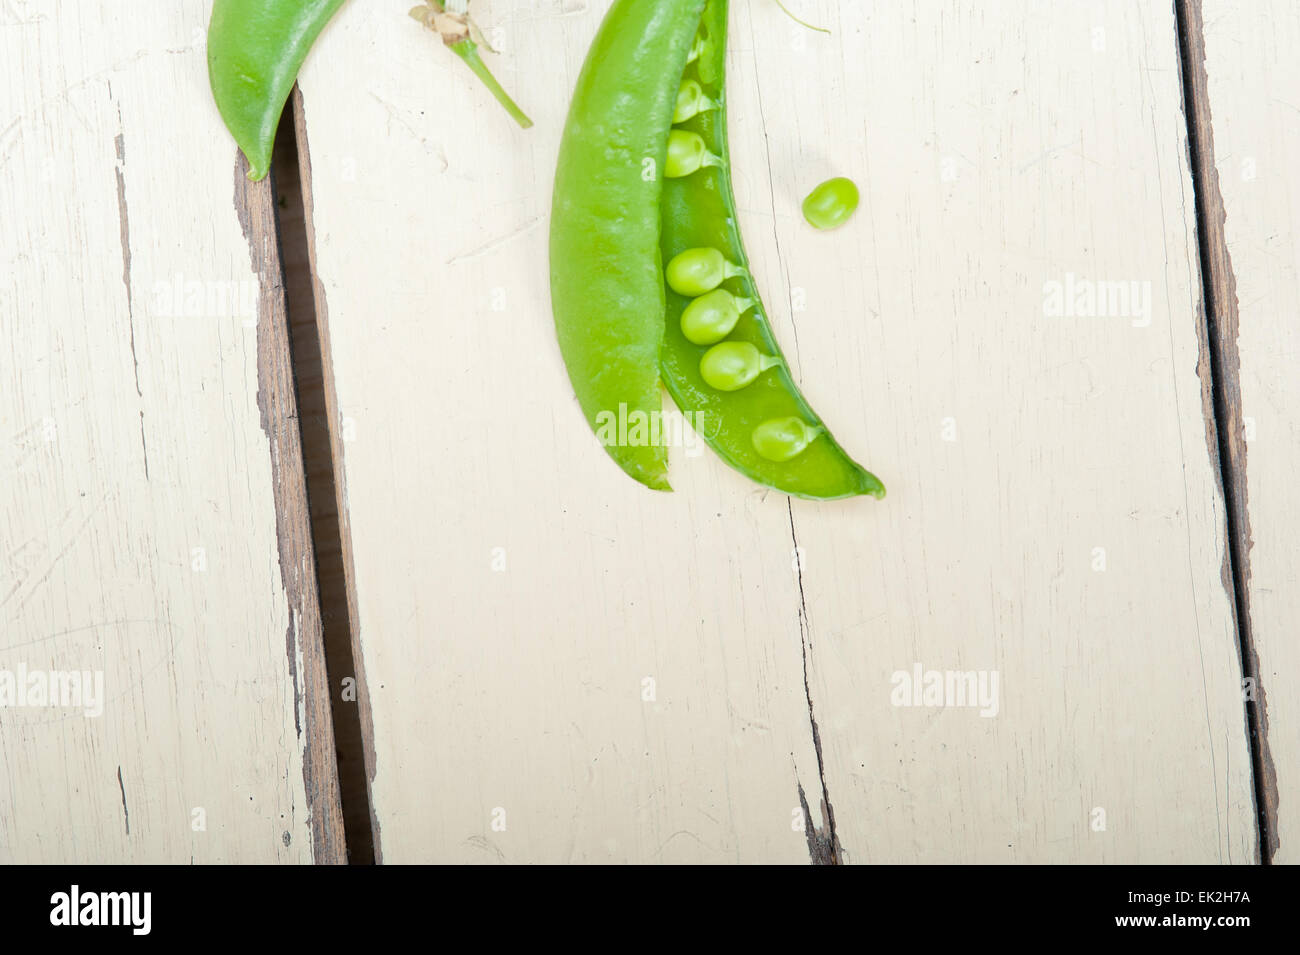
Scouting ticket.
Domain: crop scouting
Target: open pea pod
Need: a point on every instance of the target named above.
(702, 317)
(255, 50)
(737, 383)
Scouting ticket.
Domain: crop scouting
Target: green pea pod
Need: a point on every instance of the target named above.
(764, 429)
(634, 190)
(255, 50)
(607, 280)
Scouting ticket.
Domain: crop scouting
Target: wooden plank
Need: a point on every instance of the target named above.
(1054, 516)
(1252, 135)
(514, 590)
(156, 531)
(540, 636)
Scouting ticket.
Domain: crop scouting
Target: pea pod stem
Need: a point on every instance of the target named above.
(450, 20)
(467, 50)
(803, 23)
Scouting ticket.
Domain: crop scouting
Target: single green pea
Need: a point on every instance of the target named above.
(711, 317)
(691, 101)
(780, 439)
(696, 271)
(687, 152)
(831, 204)
(730, 366)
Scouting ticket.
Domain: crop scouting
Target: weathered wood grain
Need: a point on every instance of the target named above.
(565, 666)
(155, 525)
(1252, 139)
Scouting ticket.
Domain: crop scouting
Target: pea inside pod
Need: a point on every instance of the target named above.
(687, 153)
(730, 366)
(780, 439)
(696, 271)
(711, 317)
(691, 101)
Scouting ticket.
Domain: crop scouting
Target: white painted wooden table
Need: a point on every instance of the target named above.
(154, 528)
(1076, 376)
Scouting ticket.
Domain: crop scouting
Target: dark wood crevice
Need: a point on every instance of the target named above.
(318, 422)
(823, 841)
(1220, 369)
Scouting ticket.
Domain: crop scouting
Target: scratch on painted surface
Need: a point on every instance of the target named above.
(496, 243)
(126, 815)
(124, 222)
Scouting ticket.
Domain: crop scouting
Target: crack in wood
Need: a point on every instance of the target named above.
(322, 443)
(1219, 368)
(121, 787)
(823, 843)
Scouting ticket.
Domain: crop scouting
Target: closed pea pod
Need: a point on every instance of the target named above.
(255, 49)
(607, 283)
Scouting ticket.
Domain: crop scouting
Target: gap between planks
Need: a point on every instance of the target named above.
(1225, 428)
(319, 427)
